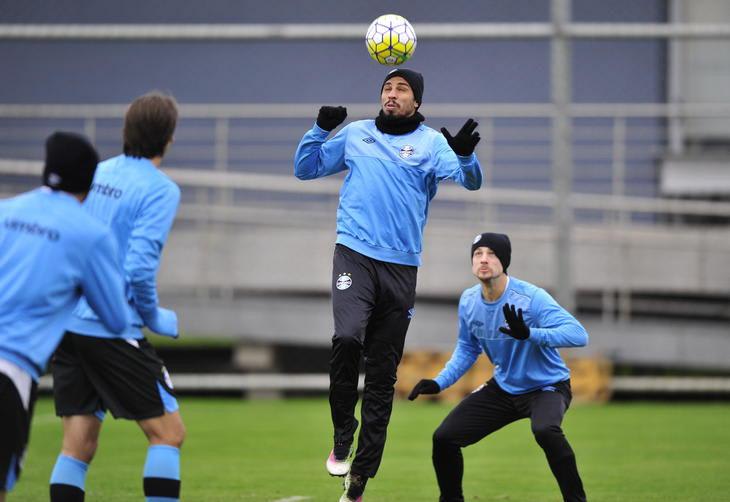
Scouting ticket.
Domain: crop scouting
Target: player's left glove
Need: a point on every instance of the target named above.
(466, 139)
(424, 387)
(517, 327)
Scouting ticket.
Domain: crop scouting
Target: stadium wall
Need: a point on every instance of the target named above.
(320, 71)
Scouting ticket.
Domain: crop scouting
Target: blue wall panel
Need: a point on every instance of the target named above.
(318, 71)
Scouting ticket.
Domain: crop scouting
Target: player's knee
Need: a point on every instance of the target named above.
(174, 437)
(348, 338)
(82, 449)
(381, 371)
(381, 374)
(547, 434)
(179, 436)
(442, 438)
(167, 430)
(173, 434)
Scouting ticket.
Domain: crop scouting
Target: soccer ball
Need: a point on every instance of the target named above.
(390, 40)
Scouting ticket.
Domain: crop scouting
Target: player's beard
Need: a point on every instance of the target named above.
(396, 124)
(391, 112)
(399, 111)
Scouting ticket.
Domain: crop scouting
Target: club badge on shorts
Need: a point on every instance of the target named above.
(344, 281)
(167, 378)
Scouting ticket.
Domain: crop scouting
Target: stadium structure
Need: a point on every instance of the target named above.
(606, 148)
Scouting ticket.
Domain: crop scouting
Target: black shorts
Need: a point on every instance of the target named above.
(92, 375)
(15, 417)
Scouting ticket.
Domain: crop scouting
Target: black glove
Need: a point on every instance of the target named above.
(330, 117)
(517, 327)
(465, 140)
(424, 387)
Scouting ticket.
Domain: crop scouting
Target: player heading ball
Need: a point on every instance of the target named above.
(395, 165)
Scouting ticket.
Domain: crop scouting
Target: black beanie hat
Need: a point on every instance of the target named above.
(70, 162)
(499, 243)
(414, 79)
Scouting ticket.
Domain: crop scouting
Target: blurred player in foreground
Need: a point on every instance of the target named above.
(50, 251)
(395, 164)
(94, 372)
(520, 327)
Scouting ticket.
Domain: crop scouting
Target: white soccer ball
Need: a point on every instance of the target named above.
(390, 40)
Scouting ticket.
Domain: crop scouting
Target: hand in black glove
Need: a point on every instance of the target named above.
(517, 327)
(330, 117)
(465, 140)
(424, 387)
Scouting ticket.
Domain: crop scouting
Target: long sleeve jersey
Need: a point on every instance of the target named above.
(50, 251)
(520, 366)
(138, 203)
(391, 180)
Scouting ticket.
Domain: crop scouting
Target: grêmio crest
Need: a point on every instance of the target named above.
(406, 151)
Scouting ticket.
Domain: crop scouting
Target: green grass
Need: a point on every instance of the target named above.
(270, 450)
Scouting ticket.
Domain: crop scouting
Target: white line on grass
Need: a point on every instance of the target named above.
(296, 498)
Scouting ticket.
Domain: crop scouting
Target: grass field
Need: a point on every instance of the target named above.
(275, 451)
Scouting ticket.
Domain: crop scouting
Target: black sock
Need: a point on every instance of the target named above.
(66, 493)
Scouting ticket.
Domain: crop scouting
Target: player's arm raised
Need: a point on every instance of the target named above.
(455, 158)
(317, 157)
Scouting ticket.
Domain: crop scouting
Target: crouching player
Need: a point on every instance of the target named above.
(520, 327)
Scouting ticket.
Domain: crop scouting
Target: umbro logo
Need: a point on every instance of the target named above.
(369, 140)
(106, 190)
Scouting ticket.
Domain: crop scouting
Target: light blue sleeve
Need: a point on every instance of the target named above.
(465, 355)
(556, 326)
(103, 285)
(465, 171)
(146, 241)
(316, 157)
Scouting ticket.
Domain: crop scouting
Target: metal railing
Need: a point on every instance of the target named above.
(345, 31)
(574, 173)
(614, 154)
(233, 172)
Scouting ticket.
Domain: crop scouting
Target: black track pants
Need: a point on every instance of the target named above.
(491, 408)
(372, 303)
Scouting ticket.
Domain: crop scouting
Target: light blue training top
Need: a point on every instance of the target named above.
(385, 197)
(138, 203)
(50, 251)
(520, 366)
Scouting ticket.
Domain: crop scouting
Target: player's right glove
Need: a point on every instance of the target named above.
(517, 327)
(466, 139)
(164, 323)
(330, 117)
(424, 387)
